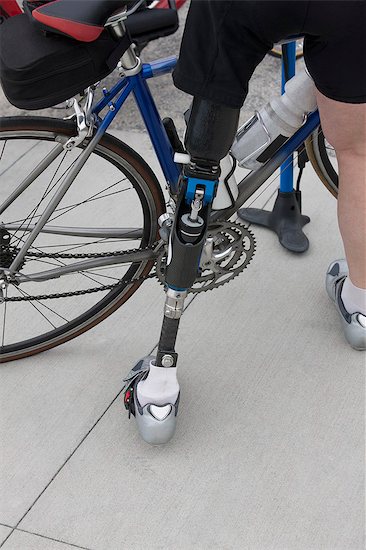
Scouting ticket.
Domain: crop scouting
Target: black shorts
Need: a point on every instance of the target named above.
(224, 41)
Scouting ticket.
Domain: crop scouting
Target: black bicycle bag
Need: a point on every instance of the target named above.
(39, 70)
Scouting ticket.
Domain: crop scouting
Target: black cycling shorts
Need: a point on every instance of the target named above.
(224, 41)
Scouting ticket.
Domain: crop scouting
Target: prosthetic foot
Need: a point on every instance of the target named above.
(151, 395)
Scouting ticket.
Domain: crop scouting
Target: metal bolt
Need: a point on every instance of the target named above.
(167, 361)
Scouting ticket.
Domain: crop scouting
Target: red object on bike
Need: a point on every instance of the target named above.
(164, 4)
(75, 29)
(10, 7)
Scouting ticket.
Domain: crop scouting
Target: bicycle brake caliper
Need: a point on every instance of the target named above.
(84, 120)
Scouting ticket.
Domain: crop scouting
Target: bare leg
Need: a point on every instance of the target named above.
(344, 126)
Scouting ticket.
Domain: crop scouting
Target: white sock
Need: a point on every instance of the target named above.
(160, 387)
(353, 297)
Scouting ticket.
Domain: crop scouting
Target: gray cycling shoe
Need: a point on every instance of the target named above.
(354, 325)
(156, 423)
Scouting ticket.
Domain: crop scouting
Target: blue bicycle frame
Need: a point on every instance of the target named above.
(115, 98)
(138, 86)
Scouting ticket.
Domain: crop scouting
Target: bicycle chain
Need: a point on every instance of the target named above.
(89, 255)
(156, 274)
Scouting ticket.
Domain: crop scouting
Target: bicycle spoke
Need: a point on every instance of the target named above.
(90, 199)
(104, 240)
(37, 309)
(3, 149)
(48, 190)
(105, 276)
(18, 159)
(43, 305)
(4, 319)
(63, 264)
(110, 197)
(84, 245)
(69, 208)
(46, 262)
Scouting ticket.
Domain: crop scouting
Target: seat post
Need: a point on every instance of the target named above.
(130, 63)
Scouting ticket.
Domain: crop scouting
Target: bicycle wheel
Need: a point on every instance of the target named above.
(277, 50)
(323, 158)
(114, 189)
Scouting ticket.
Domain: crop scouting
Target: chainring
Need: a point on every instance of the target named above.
(229, 249)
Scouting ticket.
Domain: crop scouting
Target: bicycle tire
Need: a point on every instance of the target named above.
(277, 51)
(318, 154)
(149, 193)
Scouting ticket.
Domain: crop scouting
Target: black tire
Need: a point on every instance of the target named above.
(323, 160)
(277, 50)
(148, 192)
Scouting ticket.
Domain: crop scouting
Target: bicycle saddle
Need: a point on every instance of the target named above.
(84, 21)
(78, 19)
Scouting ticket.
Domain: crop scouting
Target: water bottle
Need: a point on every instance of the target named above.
(260, 137)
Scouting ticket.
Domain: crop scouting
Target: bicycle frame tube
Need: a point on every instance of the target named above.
(138, 86)
(157, 133)
(145, 102)
(247, 187)
(164, 150)
(252, 182)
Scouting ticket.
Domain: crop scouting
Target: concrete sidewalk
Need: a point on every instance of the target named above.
(269, 449)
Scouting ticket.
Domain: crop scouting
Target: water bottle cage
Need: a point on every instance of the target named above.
(243, 129)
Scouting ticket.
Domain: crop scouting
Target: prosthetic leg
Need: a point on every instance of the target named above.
(152, 389)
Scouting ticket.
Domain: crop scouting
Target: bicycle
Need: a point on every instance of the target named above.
(277, 50)
(81, 266)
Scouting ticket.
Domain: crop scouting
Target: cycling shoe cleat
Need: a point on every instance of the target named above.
(153, 400)
(354, 325)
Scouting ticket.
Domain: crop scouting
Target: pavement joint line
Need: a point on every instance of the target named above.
(62, 466)
(16, 528)
(44, 537)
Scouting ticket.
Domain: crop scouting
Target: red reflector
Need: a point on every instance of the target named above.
(127, 396)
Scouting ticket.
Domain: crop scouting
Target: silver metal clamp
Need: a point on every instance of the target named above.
(174, 303)
(84, 119)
